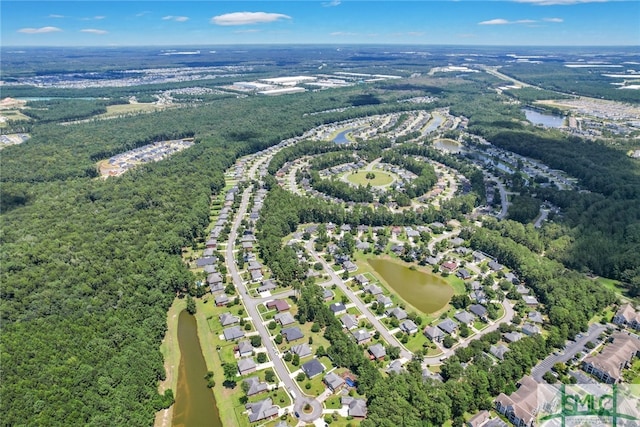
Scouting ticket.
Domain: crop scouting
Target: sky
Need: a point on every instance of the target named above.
(419, 22)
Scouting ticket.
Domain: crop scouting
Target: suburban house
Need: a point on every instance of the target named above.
(522, 290)
(261, 410)
(333, 381)
(530, 300)
(349, 266)
(627, 316)
(512, 336)
(465, 317)
(256, 276)
(483, 419)
(495, 266)
(302, 350)
(279, 304)
(362, 336)
(448, 326)
(292, 334)
(449, 266)
(361, 279)
(227, 319)
(377, 351)
(396, 312)
(463, 274)
(312, 368)
(384, 300)
(498, 351)
(255, 386)
(267, 285)
(204, 261)
(246, 366)
(535, 317)
(284, 319)
(338, 308)
(395, 367)
(614, 357)
(349, 321)
(530, 329)
(409, 326)
(221, 300)
(357, 407)
(434, 334)
(210, 269)
(245, 348)
(479, 311)
(522, 406)
(373, 290)
(327, 294)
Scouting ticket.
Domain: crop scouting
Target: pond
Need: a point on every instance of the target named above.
(195, 404)
(341, 138)
(425, 291)
(448, 145)
(435, 122)
(546, 120)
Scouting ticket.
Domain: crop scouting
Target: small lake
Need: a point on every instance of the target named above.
(546, 120)
(425, 291)
(434, 124)
(195, 404)
(341, 138)
(448, 145)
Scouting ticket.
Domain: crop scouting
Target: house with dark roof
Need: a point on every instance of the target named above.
(255, 386)
(409, 327)
(512, 336)
(279, 304)
(448, 326)
(284, 319)
(434, 334)
(377, 351)
(479, 310)
(349, 321)
(267, 285)
(302, 350)
(246, 366)
(227, 319)
(261, 410)
(312, 368)
(357, 408)
(333, 381)
(495, 265)
(292, 334)
(201, 262)
(498, 351)
(338, 308)
(362, 336)
(449, 266)
(463, 274)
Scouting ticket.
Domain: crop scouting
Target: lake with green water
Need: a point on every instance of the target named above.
(425, 291)
(195, 404)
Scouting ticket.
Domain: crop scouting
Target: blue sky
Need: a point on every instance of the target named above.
(499, 22)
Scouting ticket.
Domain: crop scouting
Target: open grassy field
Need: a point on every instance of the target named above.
(380, 179)
(118, 110)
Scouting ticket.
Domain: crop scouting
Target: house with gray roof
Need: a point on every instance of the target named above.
(204, 261)
(233, 333)
(357, 408)
(267, 285)
(338, 308)
(227, 319)
(463, 274)
(396, 312)
(284, 319)
(512, 336)
(255, 386)
(409, 327)
(349, 266)
(292, 334)
(479, 310)
(495, 266)
(530, 300)
(302, 350)
(362, 336)
(465, 317)
(384, 300)
(377, 351)
(333, 381)
(536, 317)
(210, 269)
(361, 279)
(498, 351)
(395, 367)
(327, 294)
(261, 410)
(434, 334)
(222, 299)
(214, 278)
(312, 368)
(349, 321)
(373, 290)
(246, 366)
(530, 329)
(448, 326)
(245, 348)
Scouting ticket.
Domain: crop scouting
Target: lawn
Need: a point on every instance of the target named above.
(416, 342)
(118, 110)
(379, 178)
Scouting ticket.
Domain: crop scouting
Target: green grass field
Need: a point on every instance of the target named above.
(118, 110)
(380, 179)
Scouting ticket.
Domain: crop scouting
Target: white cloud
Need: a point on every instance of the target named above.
(247, 18)
(332, 3)
(524, 21)
(175, 18)
(494, 22)
(56, 16)
(247, 31)
(99, 17)
(559, 2)
(146, 12)
(40, 30)
(342, 33)
(93, 31)
(556, 20)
